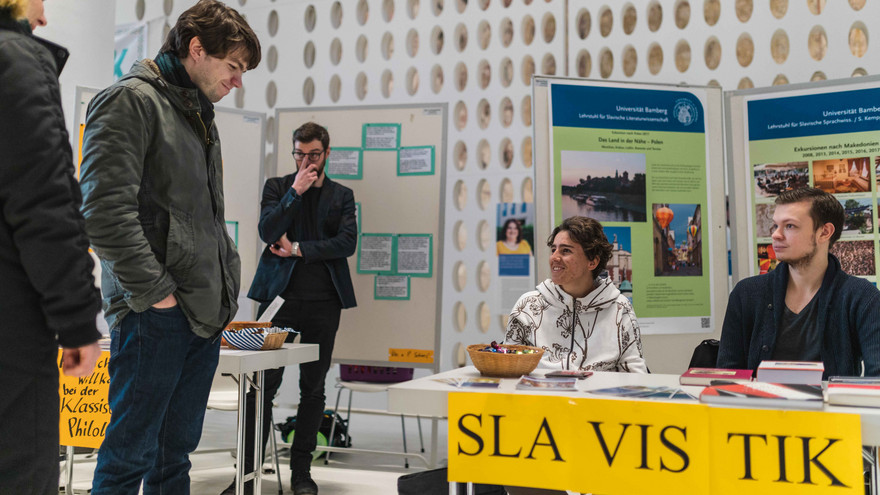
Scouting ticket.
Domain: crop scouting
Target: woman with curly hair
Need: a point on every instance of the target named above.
(579, 318)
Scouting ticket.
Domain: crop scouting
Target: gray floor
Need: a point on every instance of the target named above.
(347, 473)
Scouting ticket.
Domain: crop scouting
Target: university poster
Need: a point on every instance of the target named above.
(635, 158)
(823, 136)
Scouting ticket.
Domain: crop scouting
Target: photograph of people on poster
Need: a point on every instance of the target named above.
(619, 267)
(856, 257)
(603, 185)
(515, 236)
(842, 175)
(774, 178)
(764, 219)
(677, 240)
(766, 258)
(858, 216)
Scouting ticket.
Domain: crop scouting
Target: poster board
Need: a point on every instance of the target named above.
(83, 96)
(672, 353)
(820, 134)
(243, 144)
(400, 196)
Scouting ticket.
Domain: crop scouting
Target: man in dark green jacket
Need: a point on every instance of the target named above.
(153, 203)
(47, 292)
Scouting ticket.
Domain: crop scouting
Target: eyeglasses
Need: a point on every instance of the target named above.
(314, 155)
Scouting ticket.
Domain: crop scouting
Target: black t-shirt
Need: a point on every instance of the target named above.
(310, 280)
(799, 338)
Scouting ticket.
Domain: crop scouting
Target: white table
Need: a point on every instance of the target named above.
(240, 364)
(425, 396)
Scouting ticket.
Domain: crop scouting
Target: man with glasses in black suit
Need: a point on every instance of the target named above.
(309, 224)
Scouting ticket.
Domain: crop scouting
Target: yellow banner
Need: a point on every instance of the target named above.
(85, 411)
(587, 445)
(411, 355)
(785, 452)
(623, 447)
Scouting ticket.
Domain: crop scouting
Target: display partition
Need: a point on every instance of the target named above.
(646, 160)
(394, 159)
(243, 145)
(821, 134)
(84, 95)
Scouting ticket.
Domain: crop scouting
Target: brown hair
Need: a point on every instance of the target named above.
(519, 230)
(311, 131)
(221, 29)
(824, 208)
(589, 234)
(15, 9)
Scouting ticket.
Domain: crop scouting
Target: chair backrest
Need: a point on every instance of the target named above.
(705, 355)
(374, 374)
(224, 393)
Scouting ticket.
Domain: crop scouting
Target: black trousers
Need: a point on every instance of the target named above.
(318, 322)
(29, 409)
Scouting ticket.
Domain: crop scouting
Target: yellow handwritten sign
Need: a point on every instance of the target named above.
(586, 445)
(85, 411)
(785, 452)
(411, 355)
(624, 447)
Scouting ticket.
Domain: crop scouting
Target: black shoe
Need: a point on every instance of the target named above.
(302, 484)
(230, 490)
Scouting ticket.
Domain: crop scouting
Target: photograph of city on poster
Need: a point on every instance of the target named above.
(619, 267)
(678, 246)
(602, 185)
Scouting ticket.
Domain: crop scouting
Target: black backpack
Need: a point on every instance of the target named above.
(340, 433)
(705, 355)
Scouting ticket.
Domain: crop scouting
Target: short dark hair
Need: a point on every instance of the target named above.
(311, 131)
(519, 230)
(221, 29)
(589, 234)
(824, 208)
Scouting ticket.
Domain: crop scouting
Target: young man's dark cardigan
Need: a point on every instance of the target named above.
(848, 317)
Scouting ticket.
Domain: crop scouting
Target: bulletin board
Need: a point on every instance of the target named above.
(819, 134)
(242, 143)
(397, 319)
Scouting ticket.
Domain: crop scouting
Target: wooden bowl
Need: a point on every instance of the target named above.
(500, 365)
(239, 325)
(254, 339)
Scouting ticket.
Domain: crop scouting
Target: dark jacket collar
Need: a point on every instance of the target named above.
(780, 286)
(184, 99)
(59, 53)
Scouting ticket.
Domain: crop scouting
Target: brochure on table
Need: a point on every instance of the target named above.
(636, 158)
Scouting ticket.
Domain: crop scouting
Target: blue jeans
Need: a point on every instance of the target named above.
(160, 378)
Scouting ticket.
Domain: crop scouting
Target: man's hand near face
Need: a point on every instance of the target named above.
(306, 176)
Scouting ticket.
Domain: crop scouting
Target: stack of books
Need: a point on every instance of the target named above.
(705, 376)
(854, 391)
(761, 394)
(805, 372)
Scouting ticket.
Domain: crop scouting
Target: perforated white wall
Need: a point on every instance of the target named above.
(479, 55)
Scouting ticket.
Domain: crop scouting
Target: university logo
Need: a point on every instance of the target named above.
(685, 111)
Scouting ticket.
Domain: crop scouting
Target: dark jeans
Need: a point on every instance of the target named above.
(160, 378)
(318, 322)
(29, 431)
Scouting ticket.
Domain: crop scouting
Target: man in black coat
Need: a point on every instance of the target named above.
(47, 294)
(309, 224)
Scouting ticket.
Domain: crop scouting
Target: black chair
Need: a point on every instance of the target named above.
(705, 355)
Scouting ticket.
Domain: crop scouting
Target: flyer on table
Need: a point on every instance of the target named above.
(824, 137)
(635, 158)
